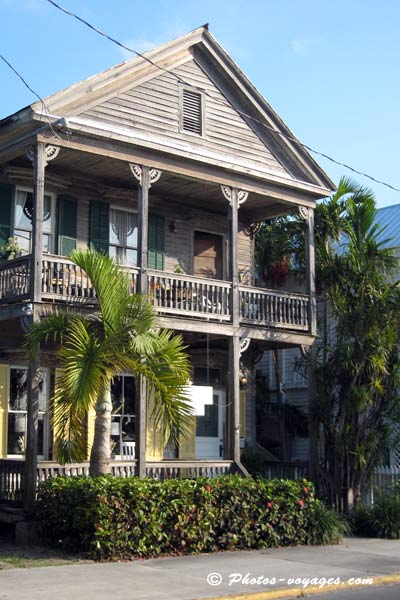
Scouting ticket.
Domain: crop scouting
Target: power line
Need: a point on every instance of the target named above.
(243, 114)
(21, 78)
(45, 110)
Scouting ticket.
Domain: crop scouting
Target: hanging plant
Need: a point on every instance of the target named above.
(279, 272)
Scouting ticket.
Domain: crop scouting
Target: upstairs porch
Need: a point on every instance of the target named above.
(172, 294)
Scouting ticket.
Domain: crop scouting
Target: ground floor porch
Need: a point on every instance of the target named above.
(12, 472)
(223, 423)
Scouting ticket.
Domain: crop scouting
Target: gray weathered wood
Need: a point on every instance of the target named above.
(31, 448)
(310, 271)
(233, 256)
(234, 390)
(143, 227)
(39, 165)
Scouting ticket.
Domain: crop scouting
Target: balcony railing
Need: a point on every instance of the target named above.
(171, 294)
(14, 279)
(190, 296)
(274, 309)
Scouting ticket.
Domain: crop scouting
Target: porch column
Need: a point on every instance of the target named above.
(307, 215)
(235, 198)
(145, 177)
(39, 154)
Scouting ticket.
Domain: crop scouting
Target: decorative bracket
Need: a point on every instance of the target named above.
(303, 213)
(51, 153)
(154, 174)
(244, 344)
(241, 195)
(255, 228)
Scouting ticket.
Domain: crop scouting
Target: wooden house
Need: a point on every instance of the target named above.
(167, 162)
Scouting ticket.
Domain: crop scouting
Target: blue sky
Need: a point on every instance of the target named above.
(330, 68)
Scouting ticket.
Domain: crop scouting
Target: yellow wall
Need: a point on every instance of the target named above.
(242, 413)
(90, 430)
(4, 379)
(154, 437)
(187, 444)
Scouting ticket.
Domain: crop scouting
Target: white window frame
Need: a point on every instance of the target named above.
(52, 233)
(131, 211)
(118, 417)
(46, 422)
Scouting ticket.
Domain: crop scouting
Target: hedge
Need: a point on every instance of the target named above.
(115, 518)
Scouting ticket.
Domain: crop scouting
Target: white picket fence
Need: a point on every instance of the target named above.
(383, 479)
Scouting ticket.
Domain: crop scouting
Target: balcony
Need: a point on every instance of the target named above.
(171, 294)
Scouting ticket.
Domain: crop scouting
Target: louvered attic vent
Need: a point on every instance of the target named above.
(191, 112)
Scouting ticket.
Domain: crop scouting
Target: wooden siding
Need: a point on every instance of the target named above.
(154, 108)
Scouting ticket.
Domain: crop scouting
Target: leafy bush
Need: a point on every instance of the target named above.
(383, 519)
(362, 522)
(386, 515)
(115, 518)
(327, 526)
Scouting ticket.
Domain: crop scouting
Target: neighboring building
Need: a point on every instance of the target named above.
(294, 385)
(156, 163)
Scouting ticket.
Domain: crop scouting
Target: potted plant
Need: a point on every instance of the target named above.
(10, 249)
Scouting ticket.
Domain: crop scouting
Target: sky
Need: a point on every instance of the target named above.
(330, 68)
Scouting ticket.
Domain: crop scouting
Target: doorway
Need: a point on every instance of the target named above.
(207, 261)
(210, 428)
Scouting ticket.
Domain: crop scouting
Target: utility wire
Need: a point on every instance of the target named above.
(26, 84)
(243, 114)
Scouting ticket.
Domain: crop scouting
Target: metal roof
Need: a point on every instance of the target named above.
(389, 218)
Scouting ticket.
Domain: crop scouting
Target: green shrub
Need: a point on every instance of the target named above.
(362, 522)
(386, 515)
(116, 518)
(327, 526)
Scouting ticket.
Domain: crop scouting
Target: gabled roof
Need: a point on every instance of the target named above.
(201, 46)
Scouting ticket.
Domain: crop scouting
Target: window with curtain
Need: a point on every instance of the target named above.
(17, 412)
(23, 216)
(123, 237)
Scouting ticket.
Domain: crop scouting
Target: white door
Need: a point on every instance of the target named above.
(210, 428)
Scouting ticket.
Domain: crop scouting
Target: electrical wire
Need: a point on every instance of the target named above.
(188, 84)
(45, 110)
(243, 114)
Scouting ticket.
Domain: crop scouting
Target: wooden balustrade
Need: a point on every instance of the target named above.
(170, 293)
(274, 309)
(188, 469)
(285, 470)
(12, 472)
(190, 296)
(11, 481)
(62, 279)
(14, 279)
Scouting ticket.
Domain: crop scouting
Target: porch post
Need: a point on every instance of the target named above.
(31, 447)
(307, 214)
(235, 198)
(145, 177)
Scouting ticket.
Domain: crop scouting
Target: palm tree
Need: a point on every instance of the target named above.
(357, 376)
(119, 336)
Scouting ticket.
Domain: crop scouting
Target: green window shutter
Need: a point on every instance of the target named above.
(99, 226)
(6, 211)
(156, 242)
(66, 225)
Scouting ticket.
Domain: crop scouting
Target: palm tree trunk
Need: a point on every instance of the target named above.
(101, 449)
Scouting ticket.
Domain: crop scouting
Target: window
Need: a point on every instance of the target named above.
(17, 412)
(123, 415)
(192, 111)
(123, 237)
(23, 215)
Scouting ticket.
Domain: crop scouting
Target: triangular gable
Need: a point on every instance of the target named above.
(151, 111)
(120, 98)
